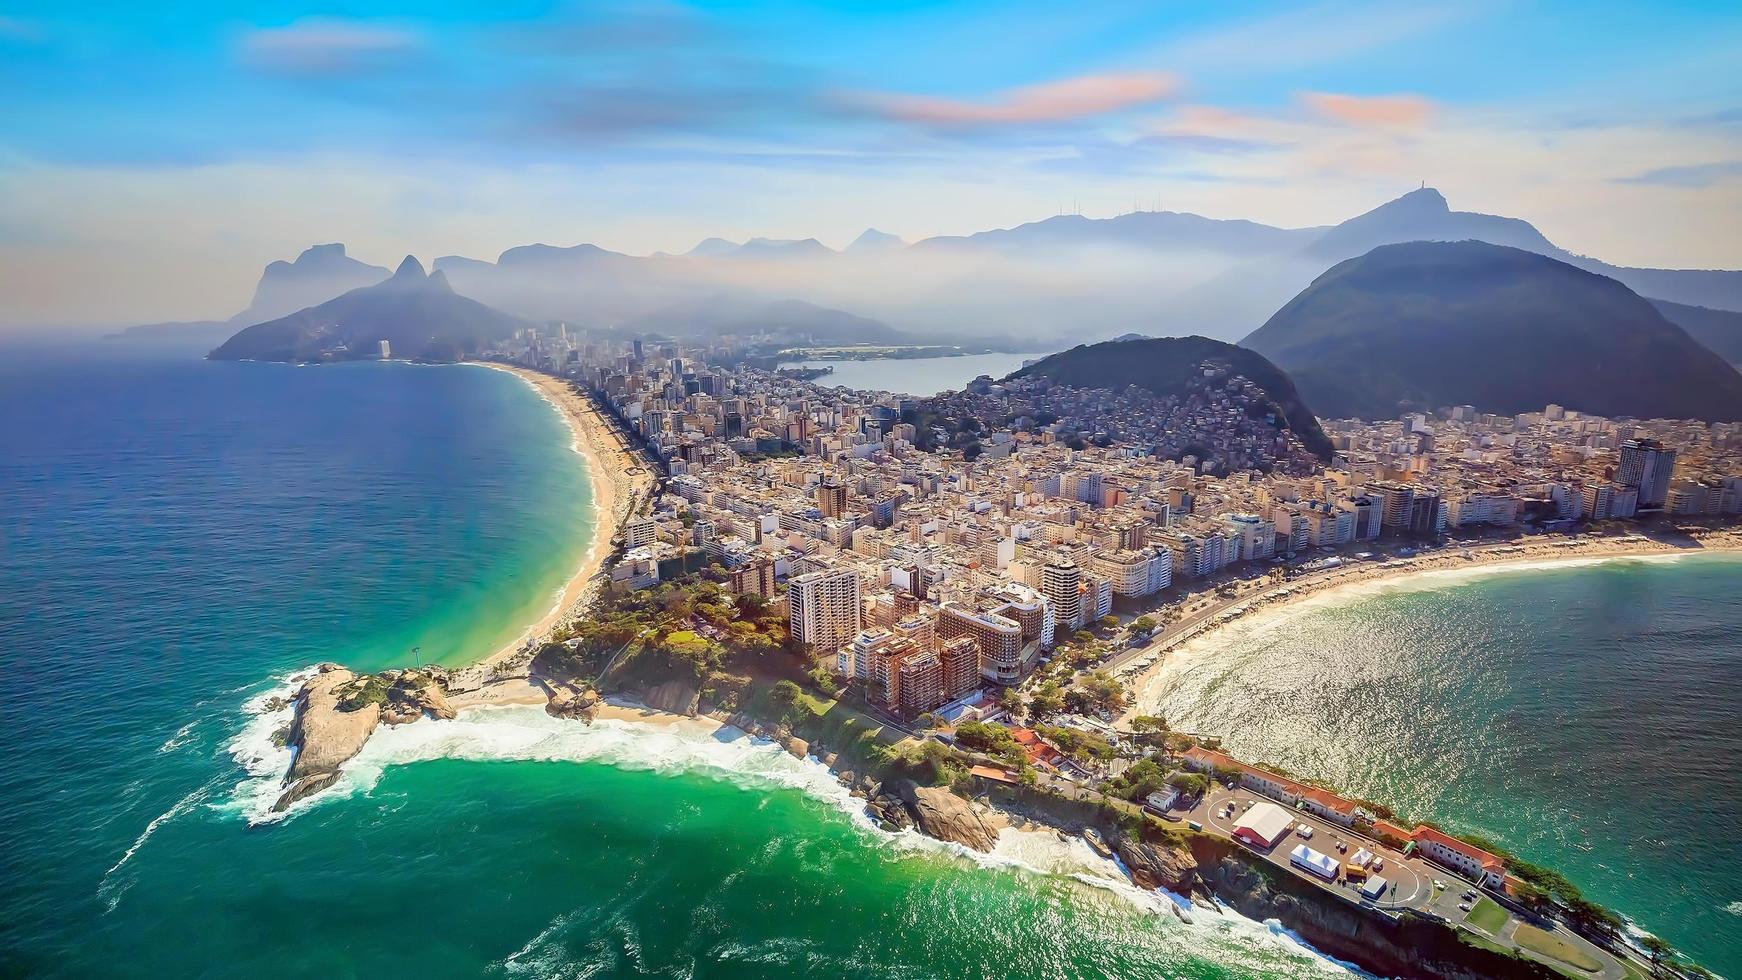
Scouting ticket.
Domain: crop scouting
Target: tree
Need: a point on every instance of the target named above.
(785, 693)
(1010, 700)
(1048, 699)
(1109, 621)
(1659, 951)
(1149, 723)
(1143, 625)
(1107, 691)
(1188, 783)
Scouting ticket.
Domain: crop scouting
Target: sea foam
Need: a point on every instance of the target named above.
(526, 733)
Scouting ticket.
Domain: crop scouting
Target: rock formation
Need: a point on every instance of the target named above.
(944, 815)
(1157, 865)
(324, 736)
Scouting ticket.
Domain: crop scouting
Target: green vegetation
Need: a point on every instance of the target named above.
(1080, 746)
(994, 740)
(1554, 947)
(362, 692)
(1488, 915)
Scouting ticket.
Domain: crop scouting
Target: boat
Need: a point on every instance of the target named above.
(1100, 847)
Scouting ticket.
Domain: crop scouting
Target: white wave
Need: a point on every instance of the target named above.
(1734, 908)
(526, 733)
(183, 805)
(179, 739)
(256, 750)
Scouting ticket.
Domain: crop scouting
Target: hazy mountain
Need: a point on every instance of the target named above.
(872, 240)
(1166, 365)
(1242, 297)
(1719, 330)
(1429, 324)
(320, 273)
(419, 315)
(1167, 231)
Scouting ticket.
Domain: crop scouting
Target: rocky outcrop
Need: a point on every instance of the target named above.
(412, 695)
(678, 696)
(1157, 865)
(942, 814)
(798, 748)
(324, 734)
(576, 702)
(1410, 947)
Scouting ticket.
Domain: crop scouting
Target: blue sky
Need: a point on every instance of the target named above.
(174, 148)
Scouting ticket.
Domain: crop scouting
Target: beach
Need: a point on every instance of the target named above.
(1208, 611)
(621, 483)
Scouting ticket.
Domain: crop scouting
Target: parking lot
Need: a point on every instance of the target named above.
(1410, 880)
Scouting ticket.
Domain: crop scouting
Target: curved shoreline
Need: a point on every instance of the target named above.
(617, 485)
(1342, 584)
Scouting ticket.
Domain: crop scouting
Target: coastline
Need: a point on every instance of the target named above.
(619, 484)
(1209, 616)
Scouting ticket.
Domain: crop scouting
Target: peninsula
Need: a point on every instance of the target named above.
(947, 601)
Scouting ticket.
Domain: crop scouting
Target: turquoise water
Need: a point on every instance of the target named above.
(1585, 716)
(181, 536)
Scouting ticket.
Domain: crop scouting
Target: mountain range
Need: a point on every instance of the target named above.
(418, 314)
(1422, 325)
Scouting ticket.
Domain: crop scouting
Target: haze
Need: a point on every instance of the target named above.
(153, 158)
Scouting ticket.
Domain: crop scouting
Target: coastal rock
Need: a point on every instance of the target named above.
(798, 748)
(890, 812)
(944, 815)
(1155, 865)
(324, 735)
(678, 697)
(568, 701)
(412, 695)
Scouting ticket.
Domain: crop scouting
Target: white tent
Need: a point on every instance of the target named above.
(1308, 859)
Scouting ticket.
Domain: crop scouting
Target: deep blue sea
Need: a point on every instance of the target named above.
(182, 536)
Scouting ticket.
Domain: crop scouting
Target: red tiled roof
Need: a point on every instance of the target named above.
(1485, 859)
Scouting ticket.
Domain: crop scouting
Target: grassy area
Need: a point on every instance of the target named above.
(1488, 916)
(1554, 947)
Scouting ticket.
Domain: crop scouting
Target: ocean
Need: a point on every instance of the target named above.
(1584, 715)
(183, 537)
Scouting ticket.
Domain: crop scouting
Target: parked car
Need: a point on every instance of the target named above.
(1378, 864)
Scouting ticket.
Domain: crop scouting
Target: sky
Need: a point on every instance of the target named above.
(153, 157)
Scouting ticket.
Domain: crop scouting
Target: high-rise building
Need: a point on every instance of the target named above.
(961, 662)
(832, 499)
(1061, 581)
(824, 610)
(921, 683)
(1647, 467)
(999, 638)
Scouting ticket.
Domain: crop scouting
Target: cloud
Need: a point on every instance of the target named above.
(1692, 176)
(325, 46)
(1369, 111)
(1066, 100)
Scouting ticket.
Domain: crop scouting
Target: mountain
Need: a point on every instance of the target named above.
(320, 273)
(1719, 330)
(1423, 325)
(1168, 231)
(1167, 365)
(1420, 216)
(419, 315)
(872, 240)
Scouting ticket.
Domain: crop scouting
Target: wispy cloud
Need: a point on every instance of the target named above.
(1691, 176)
(1065, 100)
(326, 46)
(1377, 111)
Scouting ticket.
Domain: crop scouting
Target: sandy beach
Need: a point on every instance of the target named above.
(1209, 611)
(621, 483)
